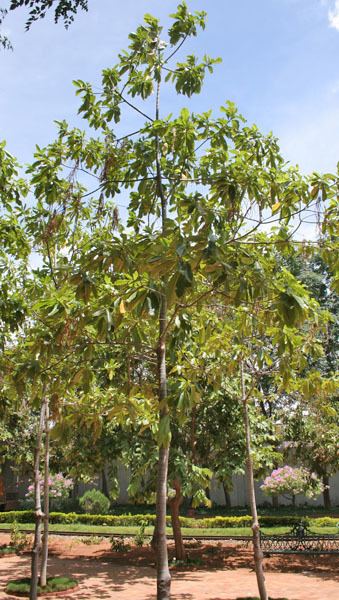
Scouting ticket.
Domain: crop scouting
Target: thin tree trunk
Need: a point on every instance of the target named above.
(154, 542)
(227, 495)
(275, 501)
(104, 483)
(75, 491)
(258, 555)
(326, 492)
(33, 593)
(44, 553)
(163, 573)
(180, 552)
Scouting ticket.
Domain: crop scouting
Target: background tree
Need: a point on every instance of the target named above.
(312, 431)
(64, 10)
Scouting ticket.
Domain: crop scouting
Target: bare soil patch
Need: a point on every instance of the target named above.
(217, 572)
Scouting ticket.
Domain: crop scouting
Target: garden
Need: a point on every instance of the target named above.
(159, 311)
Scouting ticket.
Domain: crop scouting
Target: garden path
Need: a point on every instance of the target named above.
(103, 577)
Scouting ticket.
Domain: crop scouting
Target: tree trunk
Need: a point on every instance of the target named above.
(275, 501)
(104, 483)
(33, 593)
(180, 552)
(75, 491)
(163, 574)
(154, 543)
(44, 554)
(258, 555)
(326, 492)
(228, 502)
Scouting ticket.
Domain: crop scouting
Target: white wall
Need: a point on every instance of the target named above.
(239, 492)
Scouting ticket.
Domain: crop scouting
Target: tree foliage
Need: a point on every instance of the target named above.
(64, 10)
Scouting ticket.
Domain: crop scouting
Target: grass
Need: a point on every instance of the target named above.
(192, 532)
(54, 584)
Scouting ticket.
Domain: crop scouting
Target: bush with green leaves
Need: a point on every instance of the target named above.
(94, 502)
(19, 540)
(140, 537)
(27, 516)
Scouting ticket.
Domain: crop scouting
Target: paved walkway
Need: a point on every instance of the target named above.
(103, 579)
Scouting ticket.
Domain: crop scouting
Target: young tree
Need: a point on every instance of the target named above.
(200, 190)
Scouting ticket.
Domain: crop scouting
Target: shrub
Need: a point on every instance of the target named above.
(91, 540)
(324, 522)
(119, 545)
(140, 537)
(27, 516)
(19, 541)
(94, 502)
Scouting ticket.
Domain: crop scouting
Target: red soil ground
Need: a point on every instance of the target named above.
(225, 572)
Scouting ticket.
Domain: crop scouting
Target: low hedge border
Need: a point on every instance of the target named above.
(27, 516)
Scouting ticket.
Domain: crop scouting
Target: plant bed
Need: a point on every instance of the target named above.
(55, 586)
(4, 550)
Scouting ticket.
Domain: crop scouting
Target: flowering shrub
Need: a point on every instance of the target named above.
(59, 487)
(289, 480)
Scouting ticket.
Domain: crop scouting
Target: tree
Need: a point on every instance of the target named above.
(201, 192)
(4, 40)
(263, 334)
(310, 426)
(64, 10)
(288, 480)
(312, 432)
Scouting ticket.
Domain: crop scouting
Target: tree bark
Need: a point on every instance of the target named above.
(326, 492)
(275, 501)
(33, 593)
(104, 483)
(163, 573)
(44, 553)
(258, 555)
(228, 502)
(180, 552)
(154, 543)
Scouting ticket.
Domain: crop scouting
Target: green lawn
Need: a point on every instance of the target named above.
(226, 531)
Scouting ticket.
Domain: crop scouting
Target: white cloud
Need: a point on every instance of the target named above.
(333, 15)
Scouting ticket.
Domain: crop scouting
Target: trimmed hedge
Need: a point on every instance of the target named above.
(27, 516)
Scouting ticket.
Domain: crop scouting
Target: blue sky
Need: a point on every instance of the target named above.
(280, 66)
